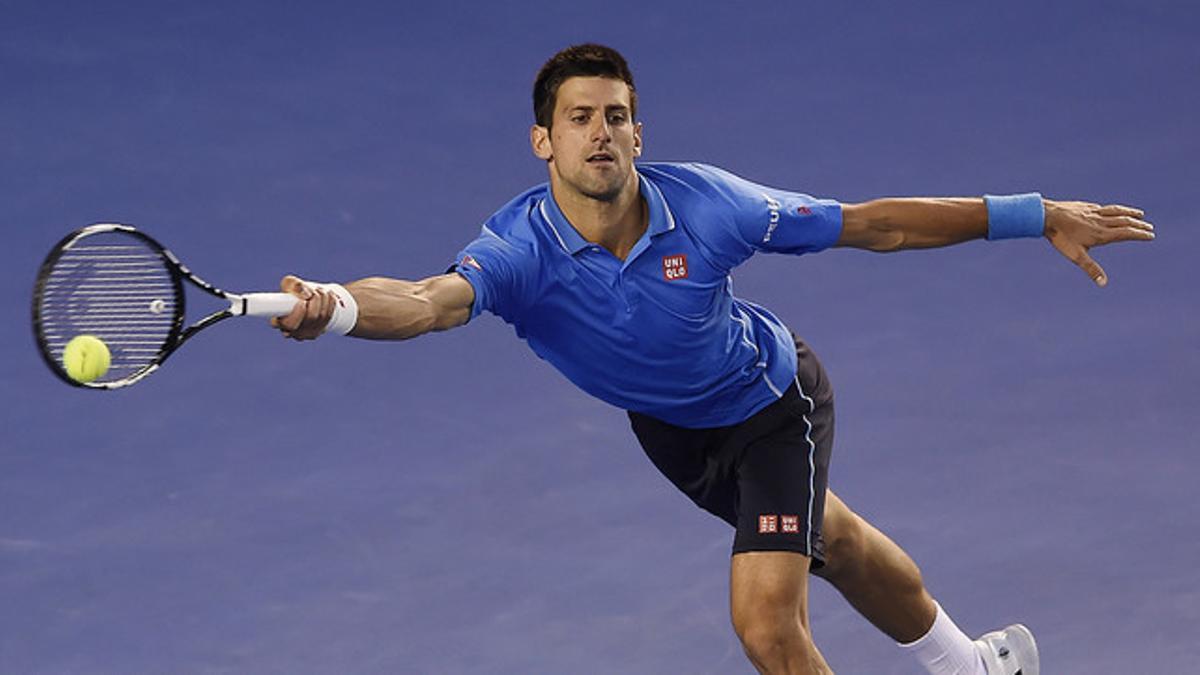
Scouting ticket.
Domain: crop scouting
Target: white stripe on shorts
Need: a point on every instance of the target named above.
(812, 468)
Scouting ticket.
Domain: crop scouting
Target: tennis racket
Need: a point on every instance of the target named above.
(120, 285)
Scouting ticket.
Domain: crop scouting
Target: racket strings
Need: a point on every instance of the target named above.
(116, 288)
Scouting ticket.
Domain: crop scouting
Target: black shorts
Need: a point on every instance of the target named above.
(765, 476)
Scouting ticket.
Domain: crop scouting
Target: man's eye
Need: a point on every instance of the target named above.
(616, 119)
(579, 119)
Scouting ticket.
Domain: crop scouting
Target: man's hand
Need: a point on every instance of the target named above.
(1075, 227)
(309, 318)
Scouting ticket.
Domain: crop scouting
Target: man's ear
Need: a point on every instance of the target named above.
(637, 140)
(539, 140)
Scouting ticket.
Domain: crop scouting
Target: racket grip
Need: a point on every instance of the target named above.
(266, 304)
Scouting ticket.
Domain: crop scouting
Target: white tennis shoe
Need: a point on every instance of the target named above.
(1011, 651)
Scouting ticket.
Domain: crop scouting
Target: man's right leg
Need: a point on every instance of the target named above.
(768, 600)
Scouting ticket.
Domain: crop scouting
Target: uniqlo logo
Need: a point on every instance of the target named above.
(790, 524)
(675, 267)
(768, 524)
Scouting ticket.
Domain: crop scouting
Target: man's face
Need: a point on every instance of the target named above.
(593, 140)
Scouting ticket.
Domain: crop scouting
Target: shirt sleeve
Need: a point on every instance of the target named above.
(498, 271)
(761, 218)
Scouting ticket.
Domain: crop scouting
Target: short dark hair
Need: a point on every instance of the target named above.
(586, 60)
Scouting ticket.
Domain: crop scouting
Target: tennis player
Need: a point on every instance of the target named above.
(618, 274)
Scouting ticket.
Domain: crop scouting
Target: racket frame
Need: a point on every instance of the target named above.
(177, 335)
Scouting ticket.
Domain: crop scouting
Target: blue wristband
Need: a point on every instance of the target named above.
(1012, 216)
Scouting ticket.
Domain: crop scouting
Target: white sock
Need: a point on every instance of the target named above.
(946, 650)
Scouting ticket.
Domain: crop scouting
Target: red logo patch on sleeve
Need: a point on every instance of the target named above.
(675, 267)
(470, 262)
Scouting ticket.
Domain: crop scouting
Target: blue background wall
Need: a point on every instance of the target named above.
(452, 504)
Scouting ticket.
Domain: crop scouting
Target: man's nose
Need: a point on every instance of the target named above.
(602, 130)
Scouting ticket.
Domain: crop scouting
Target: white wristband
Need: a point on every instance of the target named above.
(345, 310)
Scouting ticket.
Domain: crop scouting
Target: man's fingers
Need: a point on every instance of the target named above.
(1137, 223)
(1090, 267)
(320, 308)
(1124, 223)
(1078, 254)
(1138, 229)
(309, 318)
(1127, 228)
(296, 286)
(290, 322)
(1128, 221)
(1119, 210)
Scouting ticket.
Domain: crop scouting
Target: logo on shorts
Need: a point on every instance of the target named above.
(773, 524)
(768, 524)
(675, 267)
(804, 210)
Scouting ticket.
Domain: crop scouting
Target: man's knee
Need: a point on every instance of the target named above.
(772, 639)
(769, 603)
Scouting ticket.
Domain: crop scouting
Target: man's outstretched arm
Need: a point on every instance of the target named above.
(388, 309)
(1072, 227)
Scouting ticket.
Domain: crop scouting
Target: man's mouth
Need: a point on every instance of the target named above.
(600, 158)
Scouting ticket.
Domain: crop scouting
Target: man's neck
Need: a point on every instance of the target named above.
(616, 225)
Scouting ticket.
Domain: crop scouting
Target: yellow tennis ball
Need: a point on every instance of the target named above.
(86, 358)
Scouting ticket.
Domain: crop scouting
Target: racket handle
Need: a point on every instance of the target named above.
(263, 304)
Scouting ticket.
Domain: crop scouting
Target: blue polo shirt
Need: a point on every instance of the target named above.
(661, 332)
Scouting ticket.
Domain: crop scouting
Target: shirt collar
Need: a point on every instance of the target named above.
(661, 218)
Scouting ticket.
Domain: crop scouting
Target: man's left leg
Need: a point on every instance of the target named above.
(882, 582)
(875, 575)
